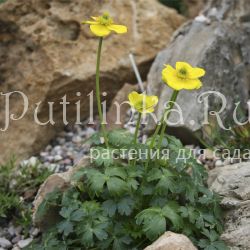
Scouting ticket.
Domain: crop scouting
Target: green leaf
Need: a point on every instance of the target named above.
(125, 206)
(87, 238)
(95, 139)
(109, 207)
(154, 174)
(132, 184)
(154, 223)
(116, 185)
(65, 227)
(121, 243)
(91, 208)
(170, 211)
(96, 180)
(101, 156)
(116, 171)
(120, 138)
(77, 215)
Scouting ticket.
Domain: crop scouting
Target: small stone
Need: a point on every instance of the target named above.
(34, 232)
(11, 231)
(16, 239)
(76, 139)
(44, 154)
(58, 158)
(52, 167)
(16, 248)
(18, 230)
(24, 243)
(33, 161)
(219, 163)
(90, 131)
(5, 243)
(209, 154)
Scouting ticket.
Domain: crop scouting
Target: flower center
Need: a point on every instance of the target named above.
(105, 19)
(182, 73)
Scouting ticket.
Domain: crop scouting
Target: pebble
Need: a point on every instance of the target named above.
(34, 231)
(11, 231)
(58, 158)
(16, 248)
(219, 163)
(4, 243)
(24, 243)
(16, 239)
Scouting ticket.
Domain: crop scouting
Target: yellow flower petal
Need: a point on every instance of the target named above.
(192, 73)
(196, 73)
(178, 83)
(119, 29)
(133, 96)
(183, 77)
(99, 30)
(181, 65)
(142, 103)
(169, 70)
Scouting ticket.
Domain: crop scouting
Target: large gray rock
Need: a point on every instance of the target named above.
(233, 184)
(218, 41)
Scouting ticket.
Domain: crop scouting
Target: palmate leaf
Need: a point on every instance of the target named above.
(116, 171)
(109, 207)
(113, 177)
(190, 213)
(102, 156)
(89, 230)
(91, 209)
(95, 180)
(216, 245)
(170, 211)
(65, 227)
(120, 138)
(124, 206)
(116, 186)
(153, 221)
(166, 181)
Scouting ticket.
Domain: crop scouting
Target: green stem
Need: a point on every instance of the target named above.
(166, 115)
(98, 96)
(137, 128)
(161, 125)
(136, 133)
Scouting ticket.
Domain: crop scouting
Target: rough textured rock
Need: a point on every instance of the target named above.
(60, 182)
(46, 54)
(172, 241)
(233, 183)
(219, 42)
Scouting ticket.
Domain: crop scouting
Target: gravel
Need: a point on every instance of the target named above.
(4, 243)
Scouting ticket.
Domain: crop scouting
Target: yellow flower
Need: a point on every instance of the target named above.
(142, 103)
(103, 25)
(183, 77)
